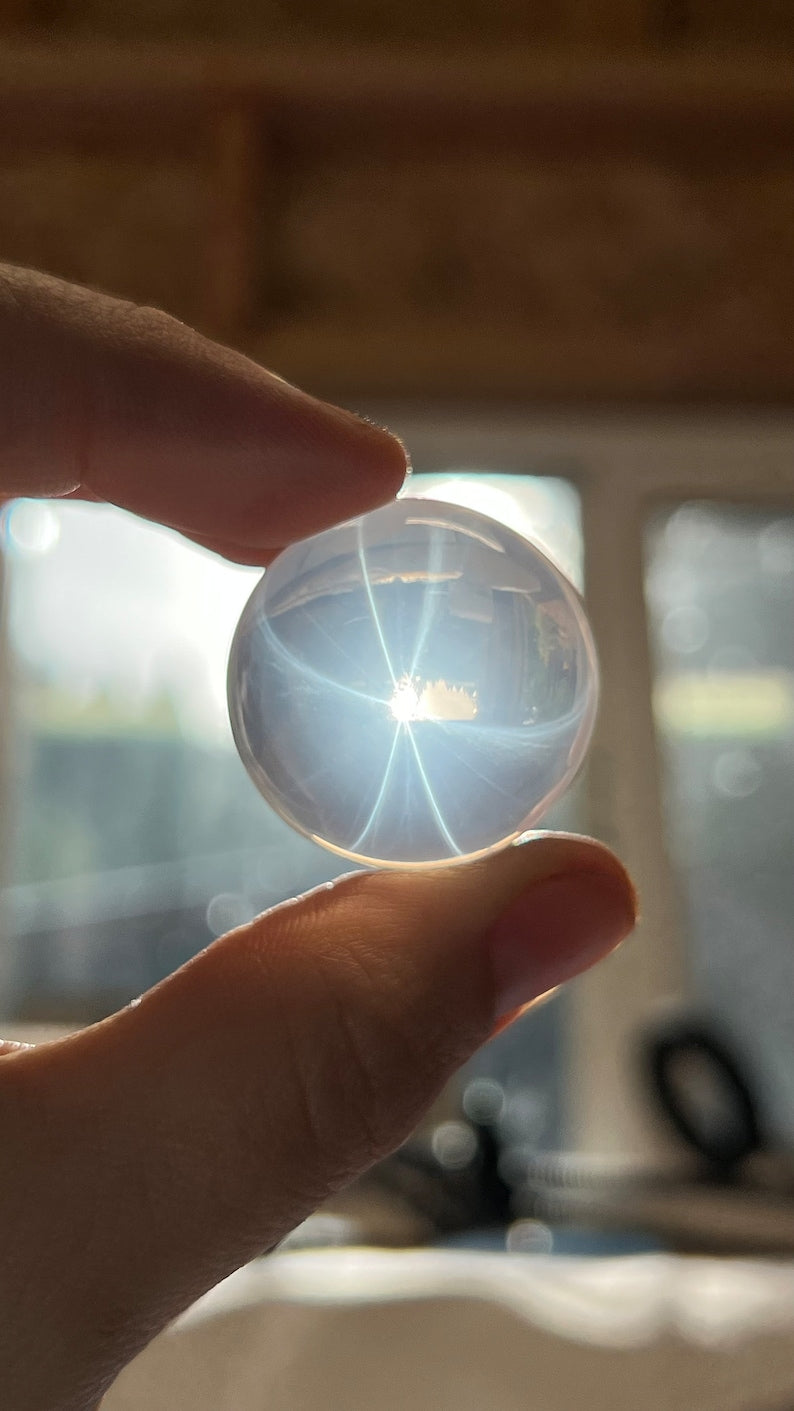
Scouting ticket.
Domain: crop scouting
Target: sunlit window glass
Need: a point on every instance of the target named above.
(720, 588)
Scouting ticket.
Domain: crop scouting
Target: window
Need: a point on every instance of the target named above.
(132, 833)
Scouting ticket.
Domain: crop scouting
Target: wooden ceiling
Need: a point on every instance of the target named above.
(532, 225)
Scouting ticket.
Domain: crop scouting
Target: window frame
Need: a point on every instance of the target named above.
(624, 467)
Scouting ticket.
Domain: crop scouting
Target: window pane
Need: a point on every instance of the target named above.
(136, 835)
(720, 586)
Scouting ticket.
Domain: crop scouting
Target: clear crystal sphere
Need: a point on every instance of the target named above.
(413, 687)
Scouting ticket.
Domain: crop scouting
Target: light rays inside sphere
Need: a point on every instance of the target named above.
(414, 687)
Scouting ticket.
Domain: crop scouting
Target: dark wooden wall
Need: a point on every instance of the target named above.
(602, 209)
(591, 25)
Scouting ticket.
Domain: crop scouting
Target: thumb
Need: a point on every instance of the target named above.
(194, 1129)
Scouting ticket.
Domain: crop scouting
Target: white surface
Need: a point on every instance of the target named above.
(366, 1330)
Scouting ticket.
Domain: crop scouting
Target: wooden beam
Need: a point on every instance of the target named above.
(235, 152)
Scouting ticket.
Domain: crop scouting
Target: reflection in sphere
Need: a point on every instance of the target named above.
(416, 686)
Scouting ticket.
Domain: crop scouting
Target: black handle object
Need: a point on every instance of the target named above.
(703, 1090)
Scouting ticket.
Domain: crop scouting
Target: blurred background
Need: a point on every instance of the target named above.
(552, 247)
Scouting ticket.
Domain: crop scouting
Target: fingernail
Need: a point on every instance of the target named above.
(556, 928)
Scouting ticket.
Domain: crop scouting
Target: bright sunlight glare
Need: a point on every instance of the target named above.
(405, 704)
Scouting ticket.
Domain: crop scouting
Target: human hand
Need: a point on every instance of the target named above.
(148, 1156)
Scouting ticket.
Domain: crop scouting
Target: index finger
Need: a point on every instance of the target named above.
(106, 400)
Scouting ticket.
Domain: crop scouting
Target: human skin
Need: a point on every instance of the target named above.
(148, 1156)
